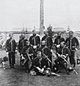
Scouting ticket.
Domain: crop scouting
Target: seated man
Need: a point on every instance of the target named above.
(25, 56)
(63, 50)
(39, 64)
(63, 53)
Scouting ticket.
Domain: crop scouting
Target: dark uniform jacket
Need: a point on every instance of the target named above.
(22, 45)
(11, 46)
(44, 38)
(72, 43)
(34, 40)
(49, 42)
(63, 51)
(46, 51)
(40, 62)
(32, 51)
(58, 40)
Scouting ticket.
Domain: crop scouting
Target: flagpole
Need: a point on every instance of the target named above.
(41, 16)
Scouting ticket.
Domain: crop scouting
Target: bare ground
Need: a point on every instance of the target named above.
(18, 77)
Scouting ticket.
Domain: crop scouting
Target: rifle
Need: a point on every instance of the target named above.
(46, 72)
(47, 57)
(63, 57)
(22, 57)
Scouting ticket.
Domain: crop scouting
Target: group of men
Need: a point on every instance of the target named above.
(41, 54)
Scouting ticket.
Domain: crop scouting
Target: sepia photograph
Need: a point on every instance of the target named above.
(39, 42)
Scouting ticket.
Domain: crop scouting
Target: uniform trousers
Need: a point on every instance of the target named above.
(11, 59)
(72, 58)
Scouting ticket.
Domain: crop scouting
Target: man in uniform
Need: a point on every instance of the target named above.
(49, 30)
(45, 36)
(11, 47)
(49, 42)
(34, 39)
(63, 53)
(21, 44)
(58, 39)
(48, 39)
(39, 63)
(63, 50)
(73, 44)
(47, 53)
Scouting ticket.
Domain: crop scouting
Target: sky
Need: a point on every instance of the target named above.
(19, 14)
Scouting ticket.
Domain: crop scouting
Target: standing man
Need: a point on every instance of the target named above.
(34, 39)
(11, 47)
(49, 30)
(58, 39)
(45, 36)
(48, 39)
(21, 44)
(73, 44)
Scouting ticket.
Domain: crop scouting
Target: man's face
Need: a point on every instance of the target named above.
(39, 54)
(62, 44)
(34, 33)
(71, 34)
(27, 42)
(11, 35)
